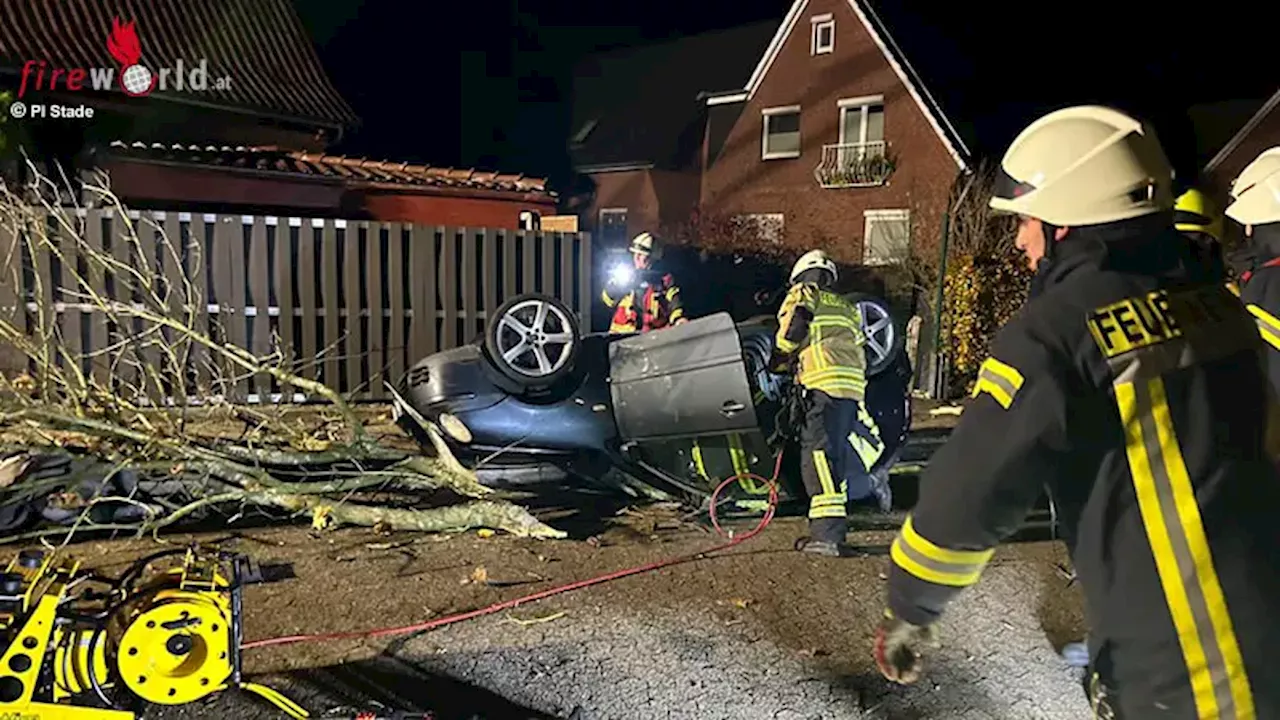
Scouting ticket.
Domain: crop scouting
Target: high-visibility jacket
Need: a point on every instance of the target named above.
(825, 331)
(1260, 292)
(645, 307)
(1132, 387)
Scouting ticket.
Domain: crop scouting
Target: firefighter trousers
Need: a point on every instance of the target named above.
(839, 443)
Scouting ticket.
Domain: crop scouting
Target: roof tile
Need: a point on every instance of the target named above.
(334, 166)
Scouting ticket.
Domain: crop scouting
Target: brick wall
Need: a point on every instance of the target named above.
(155, 185)
(426, 209)
(150, 183)
(630, 189)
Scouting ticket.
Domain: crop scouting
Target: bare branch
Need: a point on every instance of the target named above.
(130, 403)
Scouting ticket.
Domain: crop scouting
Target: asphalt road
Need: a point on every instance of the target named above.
(608, 663)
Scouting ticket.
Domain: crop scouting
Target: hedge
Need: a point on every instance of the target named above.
(982, 293)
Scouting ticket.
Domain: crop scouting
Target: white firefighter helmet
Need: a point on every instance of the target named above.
(642, 244)
(814, 259)
(1255, 194)
(1084, 166)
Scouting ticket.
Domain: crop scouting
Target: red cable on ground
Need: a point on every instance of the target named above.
(508, 604)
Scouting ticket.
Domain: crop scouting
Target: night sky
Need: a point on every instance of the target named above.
(486, 84)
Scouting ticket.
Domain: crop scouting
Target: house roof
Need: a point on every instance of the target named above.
(1243, 124)
(645, 101)
(617, 90)
(260, 45)
(353, 171)
(897, 59)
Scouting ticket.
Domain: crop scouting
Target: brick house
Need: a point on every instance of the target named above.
(831, 141)
(257, 144)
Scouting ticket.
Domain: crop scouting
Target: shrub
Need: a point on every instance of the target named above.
(982, 293)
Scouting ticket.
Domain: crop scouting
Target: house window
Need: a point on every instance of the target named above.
(761, 226)
(862, 124)
(781, 133)
(613, 226)
(887, 236)
(823, 39)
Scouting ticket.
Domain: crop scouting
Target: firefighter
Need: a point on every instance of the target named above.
(1130, 385)
(1256, 206)
(821, 333)
(1196, 218)
(640, 305)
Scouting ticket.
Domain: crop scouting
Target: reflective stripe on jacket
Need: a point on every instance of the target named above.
(825, 331)
(657, 308)
(1260, 292)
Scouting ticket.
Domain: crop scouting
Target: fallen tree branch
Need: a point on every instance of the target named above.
(128, 404)
(473, 515)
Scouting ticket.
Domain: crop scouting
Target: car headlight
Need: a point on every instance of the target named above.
(454, 427)
(621, 275)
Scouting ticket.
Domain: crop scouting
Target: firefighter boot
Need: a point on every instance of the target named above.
(826, 538)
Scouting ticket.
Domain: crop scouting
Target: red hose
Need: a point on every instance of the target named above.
(508, 604)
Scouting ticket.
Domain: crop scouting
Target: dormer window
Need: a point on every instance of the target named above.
(823, 40)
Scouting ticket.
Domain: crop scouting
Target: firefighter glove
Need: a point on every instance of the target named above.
(899, 647)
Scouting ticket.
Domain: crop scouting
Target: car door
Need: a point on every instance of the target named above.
(682, 381)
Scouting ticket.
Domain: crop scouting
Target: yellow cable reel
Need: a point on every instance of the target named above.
(174, 640)
(176, 645)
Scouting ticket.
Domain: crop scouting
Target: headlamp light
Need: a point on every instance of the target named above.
(621, 275)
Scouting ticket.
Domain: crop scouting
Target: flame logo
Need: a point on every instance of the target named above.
(135, 79)
(123, 43)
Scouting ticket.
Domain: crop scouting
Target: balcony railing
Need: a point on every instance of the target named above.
(849, 165)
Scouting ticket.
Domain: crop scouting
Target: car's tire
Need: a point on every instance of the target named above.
(886, 337)
(533, 341)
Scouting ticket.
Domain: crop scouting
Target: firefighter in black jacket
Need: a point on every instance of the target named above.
(1256, 205)
(1131, 386)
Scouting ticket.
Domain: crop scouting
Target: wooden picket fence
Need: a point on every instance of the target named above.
(350, 303)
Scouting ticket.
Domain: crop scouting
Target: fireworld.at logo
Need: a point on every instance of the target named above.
(132, 77)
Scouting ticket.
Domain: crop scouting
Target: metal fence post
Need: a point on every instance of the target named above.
(939, 382)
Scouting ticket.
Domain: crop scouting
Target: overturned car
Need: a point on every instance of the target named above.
(668, 413)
